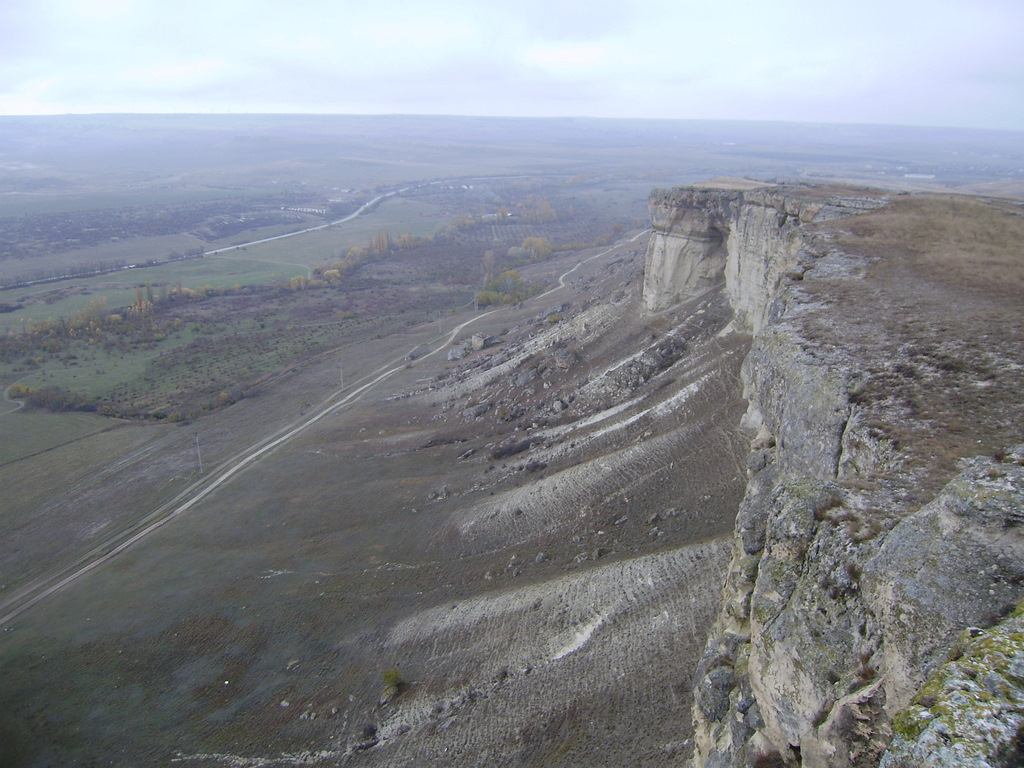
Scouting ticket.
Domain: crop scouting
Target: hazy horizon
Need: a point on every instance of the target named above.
(959, 65)
(708, 122)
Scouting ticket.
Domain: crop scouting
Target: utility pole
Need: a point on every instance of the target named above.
(199, 456)
(341, 374)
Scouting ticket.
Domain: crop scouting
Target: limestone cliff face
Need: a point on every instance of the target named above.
(843, 595)
(749, 239)
(687, 252)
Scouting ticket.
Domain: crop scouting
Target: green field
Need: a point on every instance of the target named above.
(98, 370)
(262, 264)
(324, 245)
(26, 433)
(133, 250)
(67, 297)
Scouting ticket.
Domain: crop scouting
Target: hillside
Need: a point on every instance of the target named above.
(512, 549)
(522, 532)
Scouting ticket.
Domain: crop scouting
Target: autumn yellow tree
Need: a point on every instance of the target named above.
(382, 242)
(538, 247)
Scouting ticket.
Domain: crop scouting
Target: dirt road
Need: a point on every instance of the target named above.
(39, 589)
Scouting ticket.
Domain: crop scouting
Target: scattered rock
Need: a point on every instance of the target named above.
(525, 377)
(440, 493)
(757, 461)
(564, 358)
(476, 411)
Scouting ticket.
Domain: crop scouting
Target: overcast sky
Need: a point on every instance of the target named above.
(917, 62)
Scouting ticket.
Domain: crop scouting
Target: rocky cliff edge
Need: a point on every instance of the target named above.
(880, 535)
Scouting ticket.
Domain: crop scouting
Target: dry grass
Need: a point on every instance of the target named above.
(937, 325)
(961, 241)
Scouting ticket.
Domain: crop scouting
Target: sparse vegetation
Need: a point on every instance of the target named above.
(507, 288)
(967, 243)
(252, 627)
(394, 684)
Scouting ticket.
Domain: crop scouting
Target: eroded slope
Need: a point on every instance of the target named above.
(530, 534)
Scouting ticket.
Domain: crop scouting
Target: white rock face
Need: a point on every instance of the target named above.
(763, 246)
(687, 253)
(749, 239)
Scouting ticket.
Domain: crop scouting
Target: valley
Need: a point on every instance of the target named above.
(650, 506)
(426, 525)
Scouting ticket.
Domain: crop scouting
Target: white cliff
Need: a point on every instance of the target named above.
(862, 549)
(702, 236)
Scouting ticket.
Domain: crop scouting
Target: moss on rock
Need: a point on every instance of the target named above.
(970, 712)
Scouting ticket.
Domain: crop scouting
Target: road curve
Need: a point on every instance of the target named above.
(351, 216)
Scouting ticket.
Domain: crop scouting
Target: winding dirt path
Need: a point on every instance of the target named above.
(18, 404)
(39, 589)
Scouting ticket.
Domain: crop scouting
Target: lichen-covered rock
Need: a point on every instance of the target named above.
(812, 641)
(832, 637)
(957, 562)
(970, 713)
(849, 583)
(713, 694)
(801, 401)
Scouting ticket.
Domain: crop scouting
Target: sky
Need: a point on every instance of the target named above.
(957, 63)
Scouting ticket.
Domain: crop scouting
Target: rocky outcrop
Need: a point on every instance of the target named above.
(701, 236)
(687, 251)
(971, 711)
(843, 596)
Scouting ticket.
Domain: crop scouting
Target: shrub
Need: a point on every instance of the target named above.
(393, 685)
(392, 677)
(58, 399)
